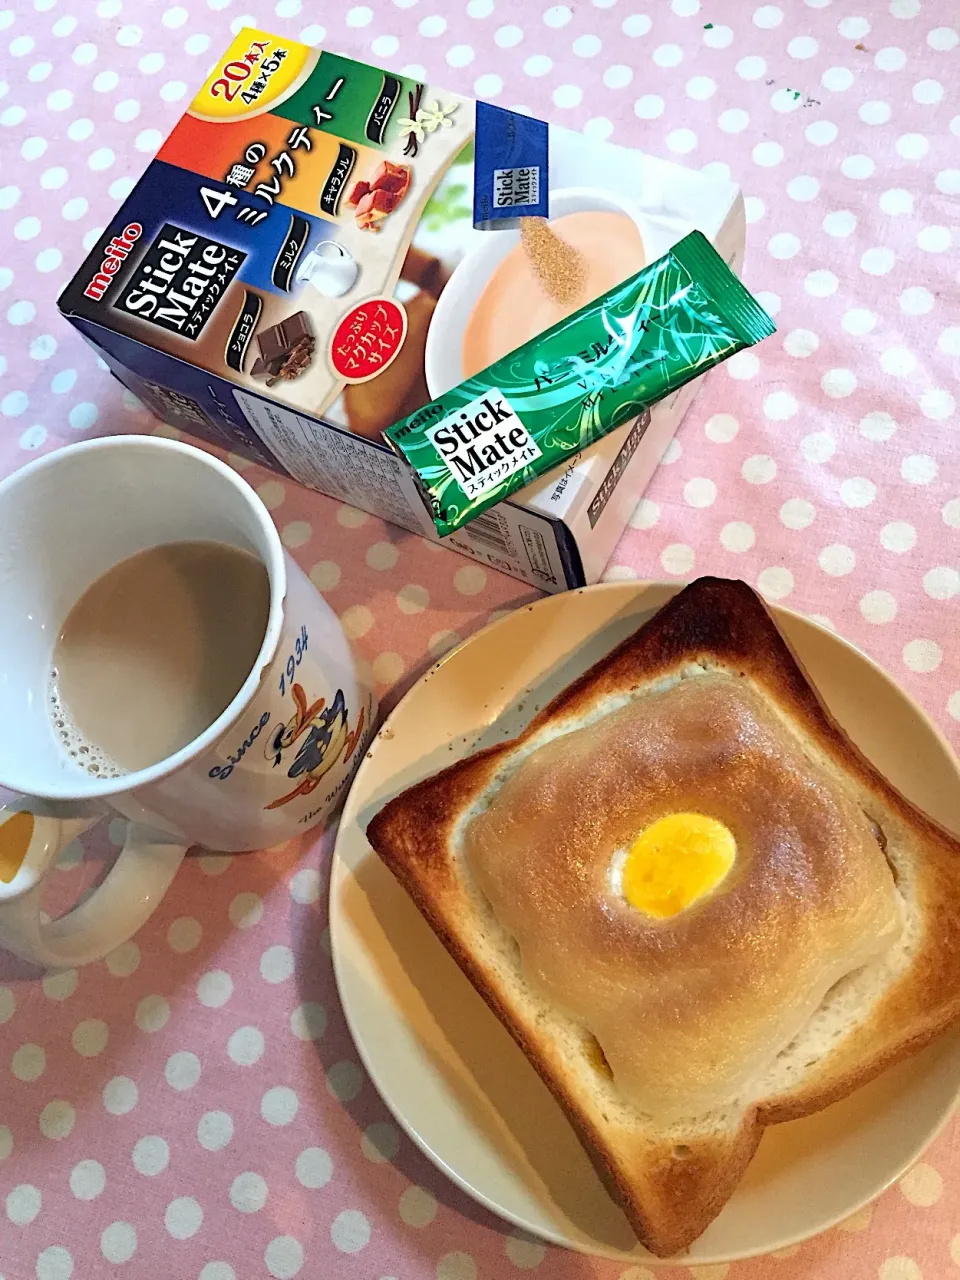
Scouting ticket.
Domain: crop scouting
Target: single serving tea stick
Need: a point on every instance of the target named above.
(590, 373)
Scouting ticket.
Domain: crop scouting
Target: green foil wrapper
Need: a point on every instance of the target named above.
(597, 369)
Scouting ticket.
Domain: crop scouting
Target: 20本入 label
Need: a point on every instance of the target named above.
(257, 71)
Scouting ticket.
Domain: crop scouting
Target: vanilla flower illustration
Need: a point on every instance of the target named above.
(427, 120)
(435, 116)
(414, 127)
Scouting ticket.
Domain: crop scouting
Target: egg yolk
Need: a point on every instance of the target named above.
(675, 861)
(16, 832)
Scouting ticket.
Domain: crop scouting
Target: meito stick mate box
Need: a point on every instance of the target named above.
(318, 250)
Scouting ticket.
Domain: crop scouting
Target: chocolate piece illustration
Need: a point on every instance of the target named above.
(286, 349)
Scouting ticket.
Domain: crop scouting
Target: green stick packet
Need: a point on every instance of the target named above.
(597, 369)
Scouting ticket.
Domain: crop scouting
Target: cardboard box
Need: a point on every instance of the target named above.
(311, 257)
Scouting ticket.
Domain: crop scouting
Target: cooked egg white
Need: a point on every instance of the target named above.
(677, 860)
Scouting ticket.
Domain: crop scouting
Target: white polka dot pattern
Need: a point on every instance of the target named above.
(205, 1067)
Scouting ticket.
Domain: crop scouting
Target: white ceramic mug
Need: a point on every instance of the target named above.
(276, 761)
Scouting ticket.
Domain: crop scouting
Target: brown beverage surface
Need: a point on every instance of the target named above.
(155, 650)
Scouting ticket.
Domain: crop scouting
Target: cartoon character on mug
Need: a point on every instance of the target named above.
(318, 736)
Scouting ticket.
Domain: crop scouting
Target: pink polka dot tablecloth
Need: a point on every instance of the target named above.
(193, 1107)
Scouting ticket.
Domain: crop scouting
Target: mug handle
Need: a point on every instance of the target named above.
(30, 844)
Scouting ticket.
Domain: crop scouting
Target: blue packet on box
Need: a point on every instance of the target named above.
(511, 176)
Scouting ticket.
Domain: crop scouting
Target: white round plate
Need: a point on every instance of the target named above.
(449, 1071)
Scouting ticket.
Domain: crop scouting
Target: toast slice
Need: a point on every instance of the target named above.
(671, 1163)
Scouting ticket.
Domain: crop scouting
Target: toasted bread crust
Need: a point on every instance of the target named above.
(671, 1195)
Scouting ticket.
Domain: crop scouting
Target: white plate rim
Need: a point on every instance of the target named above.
(337, 924)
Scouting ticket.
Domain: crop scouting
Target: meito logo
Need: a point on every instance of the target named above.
(116, 252)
